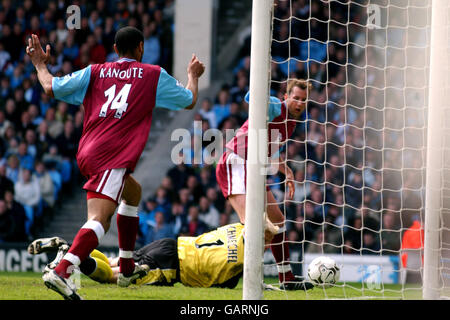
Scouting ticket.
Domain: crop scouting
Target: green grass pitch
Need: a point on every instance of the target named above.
(29, 286)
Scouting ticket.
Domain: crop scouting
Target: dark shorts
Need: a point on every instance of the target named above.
(160, 254)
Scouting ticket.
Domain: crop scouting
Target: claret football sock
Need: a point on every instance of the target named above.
(85, 241)
(280, 251)
(127, 226)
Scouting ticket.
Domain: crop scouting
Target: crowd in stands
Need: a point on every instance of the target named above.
(39, 135)
(348, 196)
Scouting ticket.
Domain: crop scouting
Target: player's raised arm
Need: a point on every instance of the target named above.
(170, 94)
(70, 88)
(39, 58)
(194, 70)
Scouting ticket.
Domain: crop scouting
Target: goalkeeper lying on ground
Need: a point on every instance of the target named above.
(213, 259)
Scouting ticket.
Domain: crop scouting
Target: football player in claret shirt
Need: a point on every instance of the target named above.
(118, 99)
(212, 259)
(231, 171)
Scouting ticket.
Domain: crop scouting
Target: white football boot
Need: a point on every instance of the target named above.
(139, 272)
(64, 287)
(269, 287)
(59, 256)
(45, 245)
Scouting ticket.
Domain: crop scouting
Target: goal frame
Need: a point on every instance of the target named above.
(434, 160)
(257, 146)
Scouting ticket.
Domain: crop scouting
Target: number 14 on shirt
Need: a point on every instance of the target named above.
(118, 102)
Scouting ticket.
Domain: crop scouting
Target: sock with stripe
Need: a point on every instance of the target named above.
(280, 251)
(127, 226)
(85, 241)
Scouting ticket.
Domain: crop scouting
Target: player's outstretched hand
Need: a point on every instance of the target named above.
(195, 67)
(290, 181)
(270, 230)
(35, 51)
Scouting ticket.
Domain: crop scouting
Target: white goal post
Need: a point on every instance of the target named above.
(259, 95)
(437, 97)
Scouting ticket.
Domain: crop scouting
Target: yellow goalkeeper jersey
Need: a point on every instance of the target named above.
(212, 258)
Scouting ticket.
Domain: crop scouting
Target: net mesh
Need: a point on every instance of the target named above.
(359, 152)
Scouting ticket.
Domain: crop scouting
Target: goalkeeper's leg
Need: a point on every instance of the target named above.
(97, 267)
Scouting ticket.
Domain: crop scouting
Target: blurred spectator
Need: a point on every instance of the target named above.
(12, 168)
(352, 237)
(152, 47)
(163, 203)
(179, 174)
(239, 91)
(7, 224)
(179, 218)
(5, 57)
(25, 124)
(167, 185)
(320, 244)
(33, 147)
(35, 117)
(371, 243)
(61, 31)
(55, 127)
(194, 188)
(12, 113)
(208, 214)
(390, 234)
(413, 238)
(28, 194)
(46, 185)
(224, 219)
(26, 160)
(207, 113)
(215, 198)
(186, 199)
(146, 215)
(221, 108)
(22, 224)
(195, 226)
(158, 230)
(5, 182)
(67, 141)
(71, 48)
(43, 138)
(52, 157)
(234, 116)
(97, 52)
(207, 179)
(4, 123)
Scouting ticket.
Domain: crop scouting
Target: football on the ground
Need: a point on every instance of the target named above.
(323, 272)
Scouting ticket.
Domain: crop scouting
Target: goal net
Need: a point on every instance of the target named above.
(359, 153)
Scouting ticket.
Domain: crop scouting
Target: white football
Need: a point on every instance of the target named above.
(323, 272)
